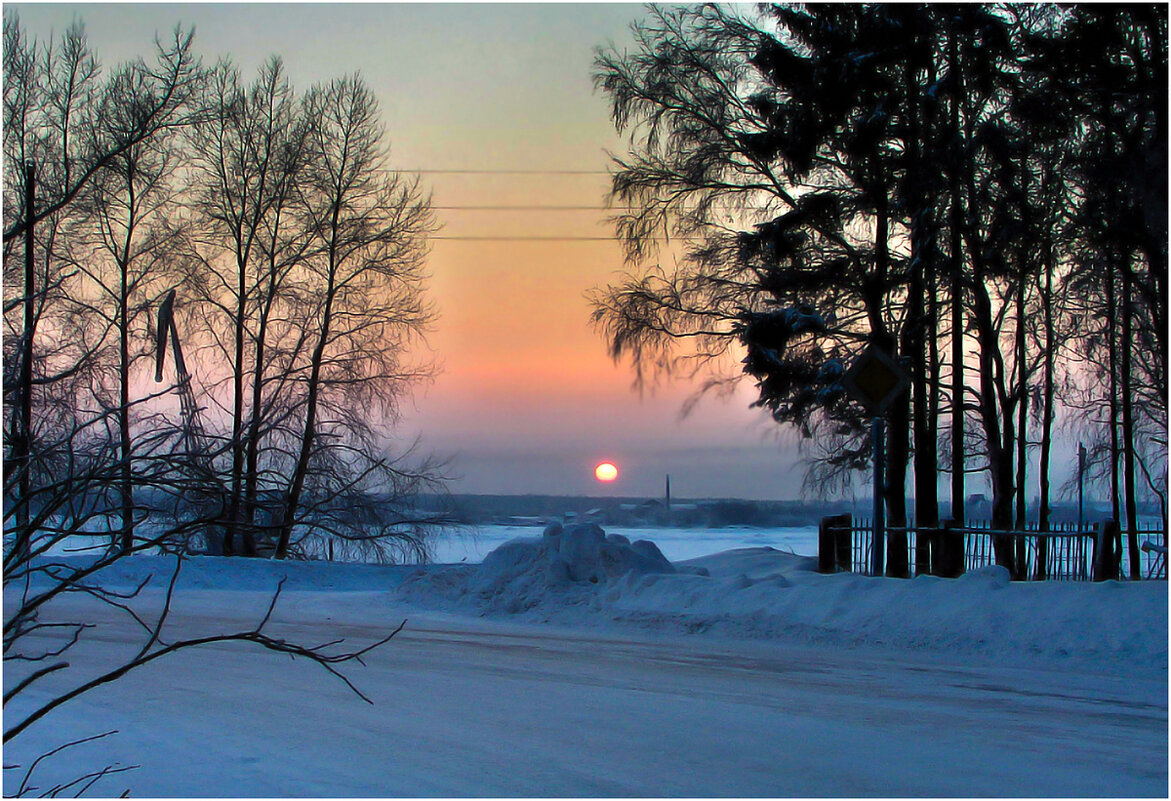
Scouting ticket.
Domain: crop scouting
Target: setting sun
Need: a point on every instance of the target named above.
(605, 472)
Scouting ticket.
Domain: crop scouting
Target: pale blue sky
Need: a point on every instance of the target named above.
(460, 84)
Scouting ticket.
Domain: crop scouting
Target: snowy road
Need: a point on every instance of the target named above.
(466, 707)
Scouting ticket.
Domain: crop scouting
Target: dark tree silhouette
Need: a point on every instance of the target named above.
(836, 175)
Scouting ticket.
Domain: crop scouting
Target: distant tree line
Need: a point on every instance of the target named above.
(212, 288)
(978, 190)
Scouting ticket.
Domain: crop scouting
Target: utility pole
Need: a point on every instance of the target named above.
(668, 498)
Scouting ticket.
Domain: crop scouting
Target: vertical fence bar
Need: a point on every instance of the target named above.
(1066, 555)
(1070, 555)
(867, 563)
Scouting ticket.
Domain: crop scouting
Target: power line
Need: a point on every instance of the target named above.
(504, 207)
(499, 172)
(600, 209)
(538, 238)
(524, 238)
(526, 208)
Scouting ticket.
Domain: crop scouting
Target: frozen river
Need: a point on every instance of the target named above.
(473, 543)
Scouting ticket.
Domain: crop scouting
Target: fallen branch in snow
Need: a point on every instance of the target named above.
(90, 779)
(46, 645)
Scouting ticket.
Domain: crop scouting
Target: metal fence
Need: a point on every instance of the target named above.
(1064, 553)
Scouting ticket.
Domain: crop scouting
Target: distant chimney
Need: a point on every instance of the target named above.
(668, 492)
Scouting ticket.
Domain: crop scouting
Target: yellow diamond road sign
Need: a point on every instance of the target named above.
(875, 380)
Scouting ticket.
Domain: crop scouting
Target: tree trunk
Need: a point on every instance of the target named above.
(302, 467)
(255, 431)
(22, 442)
(126, 478)
(1021, 393)
(915, 333)
(232, 528)
(1047, 408)
(1128, 443)
(933, 271)
(957, 297)
(1112, 362)
(252, 442)
(898, 432)
(999, 438)
(927, 461)
(288, 516)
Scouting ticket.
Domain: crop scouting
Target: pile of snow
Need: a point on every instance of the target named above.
(581, 576)
(473, 544)
(563, 567)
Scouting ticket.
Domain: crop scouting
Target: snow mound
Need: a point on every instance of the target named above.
(993, 577)
(566, 566)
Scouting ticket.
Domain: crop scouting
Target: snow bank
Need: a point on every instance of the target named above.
(563, 567)
(581, 576)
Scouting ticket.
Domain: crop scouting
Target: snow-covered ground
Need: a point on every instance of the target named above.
(579, 664)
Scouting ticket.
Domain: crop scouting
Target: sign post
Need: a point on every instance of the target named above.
(876, 381)
(878, 434)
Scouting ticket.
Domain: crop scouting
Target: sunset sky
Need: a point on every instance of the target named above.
(528, 400)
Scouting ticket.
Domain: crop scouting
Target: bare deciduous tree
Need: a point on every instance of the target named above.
(363, 305)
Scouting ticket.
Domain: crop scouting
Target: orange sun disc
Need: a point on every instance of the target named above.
(605, 472)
